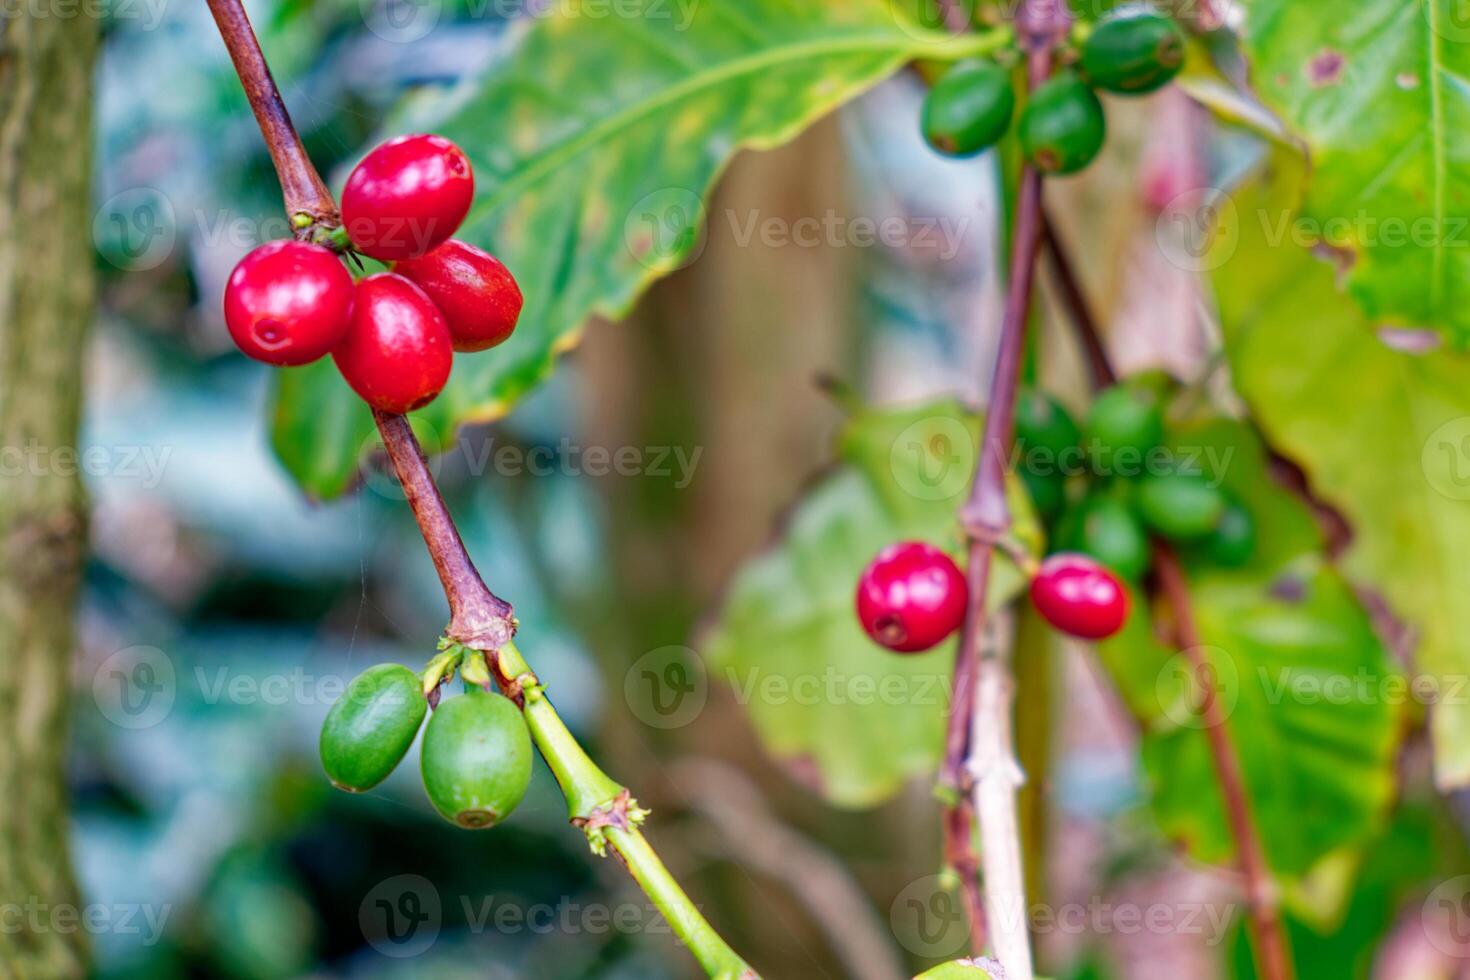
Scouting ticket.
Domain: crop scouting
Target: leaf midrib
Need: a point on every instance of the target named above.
(569, 149)
(1436, 114)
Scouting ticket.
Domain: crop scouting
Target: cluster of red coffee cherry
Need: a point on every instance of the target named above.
(912, 596)
(392, 334)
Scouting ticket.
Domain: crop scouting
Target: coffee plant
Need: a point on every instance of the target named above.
(1201, 532)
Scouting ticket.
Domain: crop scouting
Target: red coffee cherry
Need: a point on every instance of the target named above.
(472, 288)
(407, 196)
(397, 354)
(911, 596)
(288, 302)
(1079, 596)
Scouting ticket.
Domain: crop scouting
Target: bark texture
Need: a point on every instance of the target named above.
(46, 292)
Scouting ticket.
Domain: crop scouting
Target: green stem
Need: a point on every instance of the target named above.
(608, 814)
(587, 788)
(718, 959)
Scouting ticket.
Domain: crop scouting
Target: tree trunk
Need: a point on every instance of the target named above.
(46, 56)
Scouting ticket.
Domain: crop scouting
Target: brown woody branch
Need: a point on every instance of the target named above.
(301, 184)
(986, 518)
(1272, 958)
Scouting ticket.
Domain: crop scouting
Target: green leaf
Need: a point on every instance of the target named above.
(956, 970)
(1379, 91)
(1421, 849)
(847, 717)
(1382, 434)
(1298, 669)
(594, 144)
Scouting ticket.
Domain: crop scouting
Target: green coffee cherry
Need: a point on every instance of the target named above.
(1110, 532)
(968, 109)
(1124, 425)
(1180, 506)
(476, 759)
(1046, 442)
(1048, 492)
(371, 726)
(1062, 127)
(1233, 541)
(1133, 52)
(1044, 427)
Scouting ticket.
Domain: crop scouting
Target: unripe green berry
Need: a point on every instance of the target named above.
(369, 729)
(476, 758)
(1233, 541)
(1062, 127)
(1110, 532)
(1180, 506)
(969, 109)
(1045, 430)
(1046, 443)
(1124, 426)
(1048, 492)
(1133, 52)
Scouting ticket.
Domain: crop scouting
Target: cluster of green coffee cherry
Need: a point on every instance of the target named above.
(1061, 129)
(1103, 487)
(476, 755)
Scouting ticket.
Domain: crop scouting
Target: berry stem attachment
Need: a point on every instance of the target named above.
(305, 192)
(1273, 962)
(993, 779)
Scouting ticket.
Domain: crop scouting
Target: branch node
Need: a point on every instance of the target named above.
(623, 813)
(481, 629)
(1002, 768)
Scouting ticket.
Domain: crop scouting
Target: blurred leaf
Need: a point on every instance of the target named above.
(1378, 90)
(1298, 669)
(594, 143)
(1382, 434)
(1421, 849)
(956, 970)
(260, 924)
(849, 718)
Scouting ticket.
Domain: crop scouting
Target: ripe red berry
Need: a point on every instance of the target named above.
(397, 354)
(288, 302)
(911, 596)
(1079, 596)
(472, 288)
(407, 196)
